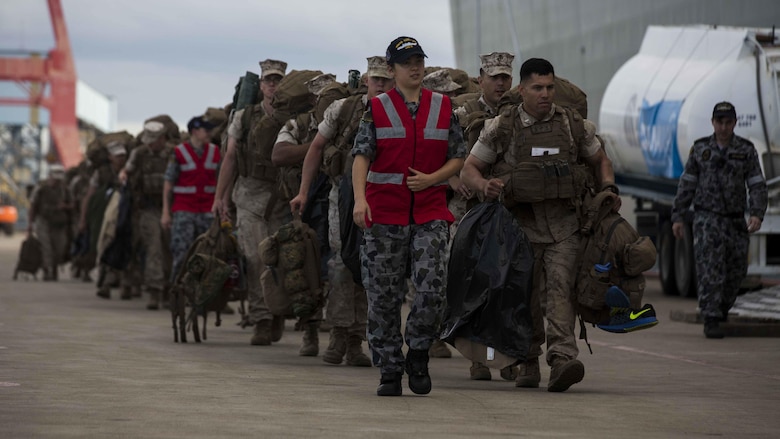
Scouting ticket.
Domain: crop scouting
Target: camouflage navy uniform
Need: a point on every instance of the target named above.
(552, 227)
(714, 182)
(384, 257)
(185, 226)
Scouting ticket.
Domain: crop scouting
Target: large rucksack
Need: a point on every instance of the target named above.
(292, 96)
(96, 149)
(611, 253)
(566, 95)
(292, 283)
(212, 274)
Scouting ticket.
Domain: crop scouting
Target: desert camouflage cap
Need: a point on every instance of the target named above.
(272, 67)
(152, 131)
(497, 63)
(116, 147)
(377, 66)
(440, 81)
(318, 83)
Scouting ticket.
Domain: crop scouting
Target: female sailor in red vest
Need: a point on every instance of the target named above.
(191, 177)
(407, 146)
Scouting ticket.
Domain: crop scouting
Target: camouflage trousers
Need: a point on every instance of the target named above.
(554, 276)
(384, 256)
(54, 242)
(720, 246)
(154, 243)
(185, 228)
(251, 229)
(347, 302)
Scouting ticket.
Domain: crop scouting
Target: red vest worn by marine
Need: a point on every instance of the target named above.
(194, 190)
(402, 143)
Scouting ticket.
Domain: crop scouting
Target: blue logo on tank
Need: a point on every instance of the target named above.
(657, 132)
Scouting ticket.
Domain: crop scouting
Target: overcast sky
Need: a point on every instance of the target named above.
(181, 56)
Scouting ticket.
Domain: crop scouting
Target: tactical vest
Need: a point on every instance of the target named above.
(336, 157)
(253, 151)
(474, 120)
(47, 203)
(149, 176)
(546, 156)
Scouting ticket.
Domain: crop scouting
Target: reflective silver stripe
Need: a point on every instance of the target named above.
(443, 183)
(184, 189)
(436, 133)
(189, 164)
(210, 189)
(397, 130)
(390, 133)
(755, 180)
(210, 163)
(689, 177)
(384, 178)
(430, 131)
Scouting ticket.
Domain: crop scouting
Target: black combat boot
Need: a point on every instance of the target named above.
(712, 328)
(417, 368)
(390, 384)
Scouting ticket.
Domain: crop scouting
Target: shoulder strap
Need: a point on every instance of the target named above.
(608, 237)
(576, 124)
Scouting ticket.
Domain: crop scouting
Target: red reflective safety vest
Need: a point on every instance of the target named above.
(194, 190)
(403, 142)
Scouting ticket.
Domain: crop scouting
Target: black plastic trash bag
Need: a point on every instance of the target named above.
(119, 253)
(351, 234)
(316, 216)
(489, 282)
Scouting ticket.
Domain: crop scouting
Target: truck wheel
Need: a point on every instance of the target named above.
(8, 229)
(666, 260)
(685, 264)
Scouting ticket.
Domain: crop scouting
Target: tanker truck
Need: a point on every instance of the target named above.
(660, 101)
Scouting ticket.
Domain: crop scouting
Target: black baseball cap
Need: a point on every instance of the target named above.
(401, 48)
(198, 122)
(724, 109)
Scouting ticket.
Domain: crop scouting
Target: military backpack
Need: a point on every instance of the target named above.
(292, 280)
(611, 253)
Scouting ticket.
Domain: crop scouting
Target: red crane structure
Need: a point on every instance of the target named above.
(58, 72)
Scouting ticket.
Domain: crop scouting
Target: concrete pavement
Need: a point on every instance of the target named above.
(76, 366)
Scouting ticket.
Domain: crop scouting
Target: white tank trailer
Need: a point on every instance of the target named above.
(660, 101)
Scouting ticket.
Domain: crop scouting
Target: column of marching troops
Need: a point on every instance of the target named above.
(181, 181)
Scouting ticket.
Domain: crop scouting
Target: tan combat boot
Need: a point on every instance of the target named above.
(355, 355)
(337, 346)
(479, 372)
(439, 349)
(310, 346)
(528, 374)
(262, 336)
(154, 299)
(277, 328)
